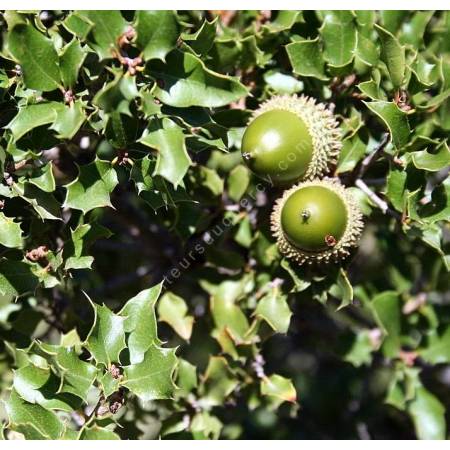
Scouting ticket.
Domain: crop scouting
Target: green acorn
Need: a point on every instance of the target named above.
(316, 221)
(291, 138)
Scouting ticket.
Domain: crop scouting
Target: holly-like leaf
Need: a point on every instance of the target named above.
(157, 33)
(152, 379)
(75, 250)
(10, 232)
(35, 421)
(273, 308)
(387, 312)
(16, 278)
(107, 27)
(69, 120)
(93, 186)
(96, 433)
(43, 178)
(140, 322)
(395, 120)
(219, 381)
(40, 386)
(33, 116)
(173, 310)
(167, 138)
(70, 62)
(339, 35)
(438, 349)
(352, 152)
(37, 56)
(306, 58)
(432, 161)
(393, 54)
(428, 415)
(77, 376)
(107, 337)
(185, 81)
(279, 387)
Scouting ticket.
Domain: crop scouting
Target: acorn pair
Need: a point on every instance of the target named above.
(294, 139)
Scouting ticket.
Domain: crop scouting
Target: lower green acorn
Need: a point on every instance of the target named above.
(316, 221)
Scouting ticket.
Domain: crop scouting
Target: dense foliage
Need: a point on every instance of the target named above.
(142, 294)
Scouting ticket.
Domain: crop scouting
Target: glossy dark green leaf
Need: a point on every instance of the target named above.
(37, 56)
(394, 119)
(393, 54)
(33, 116)
(107, 27)
(16, 278)
(157, 33)
(152, 379)
(140, 322)
(340, 37)
(432, 161)
(70, 61)
(185, 81)
(37, 421)
(386, 307)
(306, 58)
(10, 232)
(107, 337)
(93, 186)
(167, 138)
(428, 415)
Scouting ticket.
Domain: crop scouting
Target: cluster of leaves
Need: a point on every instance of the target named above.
(121, 166)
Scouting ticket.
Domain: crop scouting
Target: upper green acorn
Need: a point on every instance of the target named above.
(291, 139)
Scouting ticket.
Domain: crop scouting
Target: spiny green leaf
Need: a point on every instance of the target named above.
(306, 58)
(37, 56)
(273, 308)
(77, 375)
(173, 310)
(107, 337)
(157, 33)
(428, 415)
(93, 186)
(107, 28)
(16, 278)
(152, 379)
(10, 232)
(395, 120)
(140, 322)
(33, 116)
(43, 178)
(185, 81)
(70, 62)
(432, 161)
(69, 120)
(339, 35)
(279, 387)
(36, 420)
(169, 141)
(393, 54)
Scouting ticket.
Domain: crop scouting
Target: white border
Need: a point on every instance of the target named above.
(225, 445)
(222, 4)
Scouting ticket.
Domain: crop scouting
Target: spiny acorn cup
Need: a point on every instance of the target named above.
(291, 138)
(316, 221)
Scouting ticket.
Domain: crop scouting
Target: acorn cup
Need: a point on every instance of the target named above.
(290, 139)
(316, 221)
